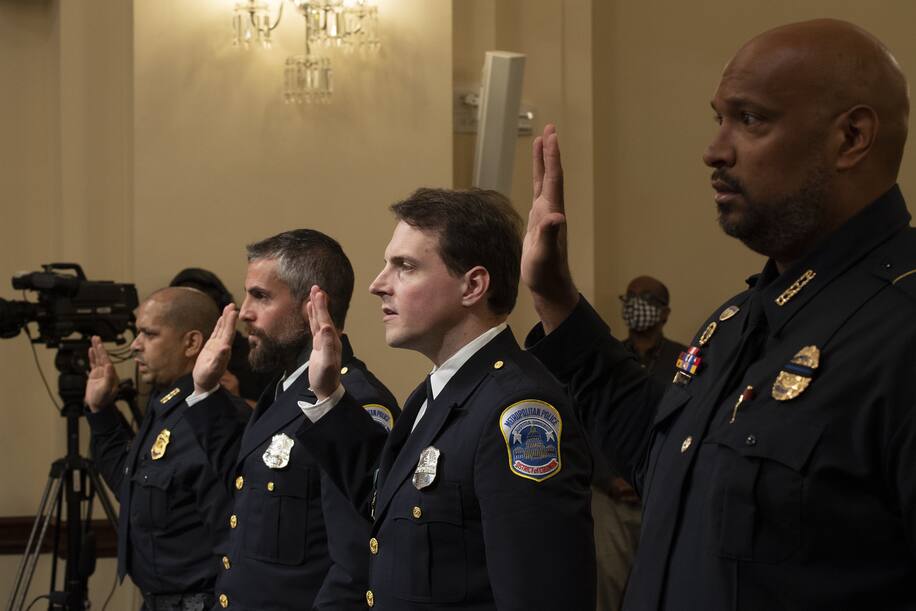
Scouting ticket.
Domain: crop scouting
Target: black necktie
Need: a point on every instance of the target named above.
(403, 427)
(429, 392)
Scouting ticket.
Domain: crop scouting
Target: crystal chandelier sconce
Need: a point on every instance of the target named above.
(350, 24)
(329, 24)
(251, 22)
(307, 79)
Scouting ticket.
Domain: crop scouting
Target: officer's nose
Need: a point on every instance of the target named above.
(246, 313)
(379, 286)
(720, 152)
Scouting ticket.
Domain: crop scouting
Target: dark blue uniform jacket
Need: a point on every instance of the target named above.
(802, 496)
(295, 542)
(174, 508)
(479, 536)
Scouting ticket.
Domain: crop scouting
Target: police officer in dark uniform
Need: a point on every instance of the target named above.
(173, 505)
(295, 542)
(481, 495)
(776, 470)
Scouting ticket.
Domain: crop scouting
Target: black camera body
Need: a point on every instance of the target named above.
(69, 304)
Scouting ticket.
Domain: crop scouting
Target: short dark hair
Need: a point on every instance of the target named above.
(475, 227)
(306, 257)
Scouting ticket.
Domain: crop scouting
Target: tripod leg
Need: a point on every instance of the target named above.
(104, 499)
(33, 548)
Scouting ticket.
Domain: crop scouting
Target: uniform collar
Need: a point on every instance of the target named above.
(834, 255)
(441, 375)
(167, 399)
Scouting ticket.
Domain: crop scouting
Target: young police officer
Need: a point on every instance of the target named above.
(481, 495)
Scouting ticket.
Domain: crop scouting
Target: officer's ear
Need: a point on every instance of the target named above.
(476, 285)
(193, 342)
(665, 312)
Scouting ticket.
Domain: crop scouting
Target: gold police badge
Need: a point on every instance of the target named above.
(162, 441)
(797, 374)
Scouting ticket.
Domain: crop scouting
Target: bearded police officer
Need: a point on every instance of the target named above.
(174, 507)
(776, 470)
(295, 542)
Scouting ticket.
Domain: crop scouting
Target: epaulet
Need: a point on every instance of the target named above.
(507, 375)
(906, 282)
(898, 263)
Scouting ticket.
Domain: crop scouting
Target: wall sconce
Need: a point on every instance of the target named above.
(345, 24)
(251, 23)
(340, 23)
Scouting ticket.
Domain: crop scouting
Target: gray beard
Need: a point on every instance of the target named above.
(782, 229)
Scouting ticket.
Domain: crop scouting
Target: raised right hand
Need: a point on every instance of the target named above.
(326, 357)
(545, 266)
(213, 359)
(102, 384)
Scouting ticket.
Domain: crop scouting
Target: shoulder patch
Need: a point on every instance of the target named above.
(381, 414)
(532, 429)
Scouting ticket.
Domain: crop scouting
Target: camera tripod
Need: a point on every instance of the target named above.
(73, 481)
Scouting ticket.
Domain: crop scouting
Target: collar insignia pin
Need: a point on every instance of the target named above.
(728, 312)
(169, 396)
(795, 288)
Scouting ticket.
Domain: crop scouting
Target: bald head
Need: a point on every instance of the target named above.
(186, 309)
(813, 121)
(840, 67)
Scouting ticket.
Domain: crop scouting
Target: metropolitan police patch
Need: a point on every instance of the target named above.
(532, 431)
(381, 414)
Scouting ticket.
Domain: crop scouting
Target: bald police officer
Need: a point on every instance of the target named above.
(776, 467)
(173, 506)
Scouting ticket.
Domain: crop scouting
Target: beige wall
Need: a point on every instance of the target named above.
(556, 37)
(137, 141)
(221, 161)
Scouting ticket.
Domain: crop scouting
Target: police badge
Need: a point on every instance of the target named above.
(162, 441)
(426, 468)
(796, 375)
(277, 454)
(532, 431)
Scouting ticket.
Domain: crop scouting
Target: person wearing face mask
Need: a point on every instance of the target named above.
(645, 312)
(616, 508)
